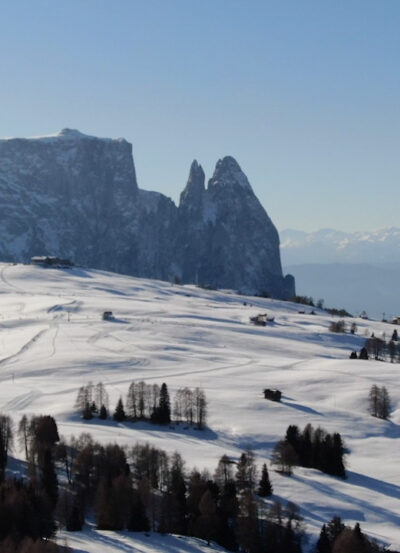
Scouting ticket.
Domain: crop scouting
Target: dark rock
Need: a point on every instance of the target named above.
(75, 196)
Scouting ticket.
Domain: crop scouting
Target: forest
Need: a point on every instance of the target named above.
(143, 488)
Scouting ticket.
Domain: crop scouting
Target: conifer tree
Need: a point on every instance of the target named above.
(119, 414)
(164, 406)
(162, 414)
(323, 543)
(87, 412)
(264, 486)
(48, 477)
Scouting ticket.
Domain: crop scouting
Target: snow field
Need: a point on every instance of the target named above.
(52, 341)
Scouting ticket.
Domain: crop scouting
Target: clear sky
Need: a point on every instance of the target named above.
(305, 94)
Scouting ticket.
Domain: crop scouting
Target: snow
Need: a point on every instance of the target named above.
(64, 134)
(93, 541)
(52, 341)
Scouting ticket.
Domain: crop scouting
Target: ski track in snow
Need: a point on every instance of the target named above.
(55, 342)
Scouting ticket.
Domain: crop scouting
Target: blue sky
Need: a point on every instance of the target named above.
(304, 94)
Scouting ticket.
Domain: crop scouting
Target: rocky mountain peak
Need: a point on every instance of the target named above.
(195, 187)
(75, 196)
(72, 134)
(228, 173)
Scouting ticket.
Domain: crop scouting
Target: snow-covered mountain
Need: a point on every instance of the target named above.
(358, 271)
(335, 246)
(76, 196)
(53, 341)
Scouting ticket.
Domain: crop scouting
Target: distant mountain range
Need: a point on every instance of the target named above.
(335, 246)
(358, 271)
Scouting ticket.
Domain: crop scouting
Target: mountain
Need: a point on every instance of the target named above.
(76, 196)
(358, 271)
(55, 341)
(335, 246)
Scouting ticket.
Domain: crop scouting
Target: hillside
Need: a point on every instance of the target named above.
(53, 341)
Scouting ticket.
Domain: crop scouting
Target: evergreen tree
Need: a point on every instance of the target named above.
(264, 486)
(334, 528)
(162, 414)
(48, 478)
(323, 543)
(103, 415)
(164, 405)
(87, 413)
(119, 414)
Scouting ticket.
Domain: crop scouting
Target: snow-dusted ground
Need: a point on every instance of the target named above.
(97, 541)
(52, 341)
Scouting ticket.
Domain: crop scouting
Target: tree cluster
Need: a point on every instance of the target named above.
(312, 448)
(335, 537)
(148, 402)
(92, 400)
(6, 442)
(379, 402)
(303, 300)
(382, 350)
(338, 326)
(27, 506)
(142, 487)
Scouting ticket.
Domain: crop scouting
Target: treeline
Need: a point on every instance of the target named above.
(308, 300)
(27, 506)
(335, 537)
(148, 402)
(380, 349)
(138, 488)
(143, 488)
(311, 448)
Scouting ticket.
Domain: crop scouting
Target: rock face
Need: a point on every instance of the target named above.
(76, 196)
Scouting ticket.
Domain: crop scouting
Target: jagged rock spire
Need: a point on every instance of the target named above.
(195, 187)
(228, 173)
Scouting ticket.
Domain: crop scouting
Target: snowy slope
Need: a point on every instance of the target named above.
(187, 336)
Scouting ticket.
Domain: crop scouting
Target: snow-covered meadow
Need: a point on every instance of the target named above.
(53, 340)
